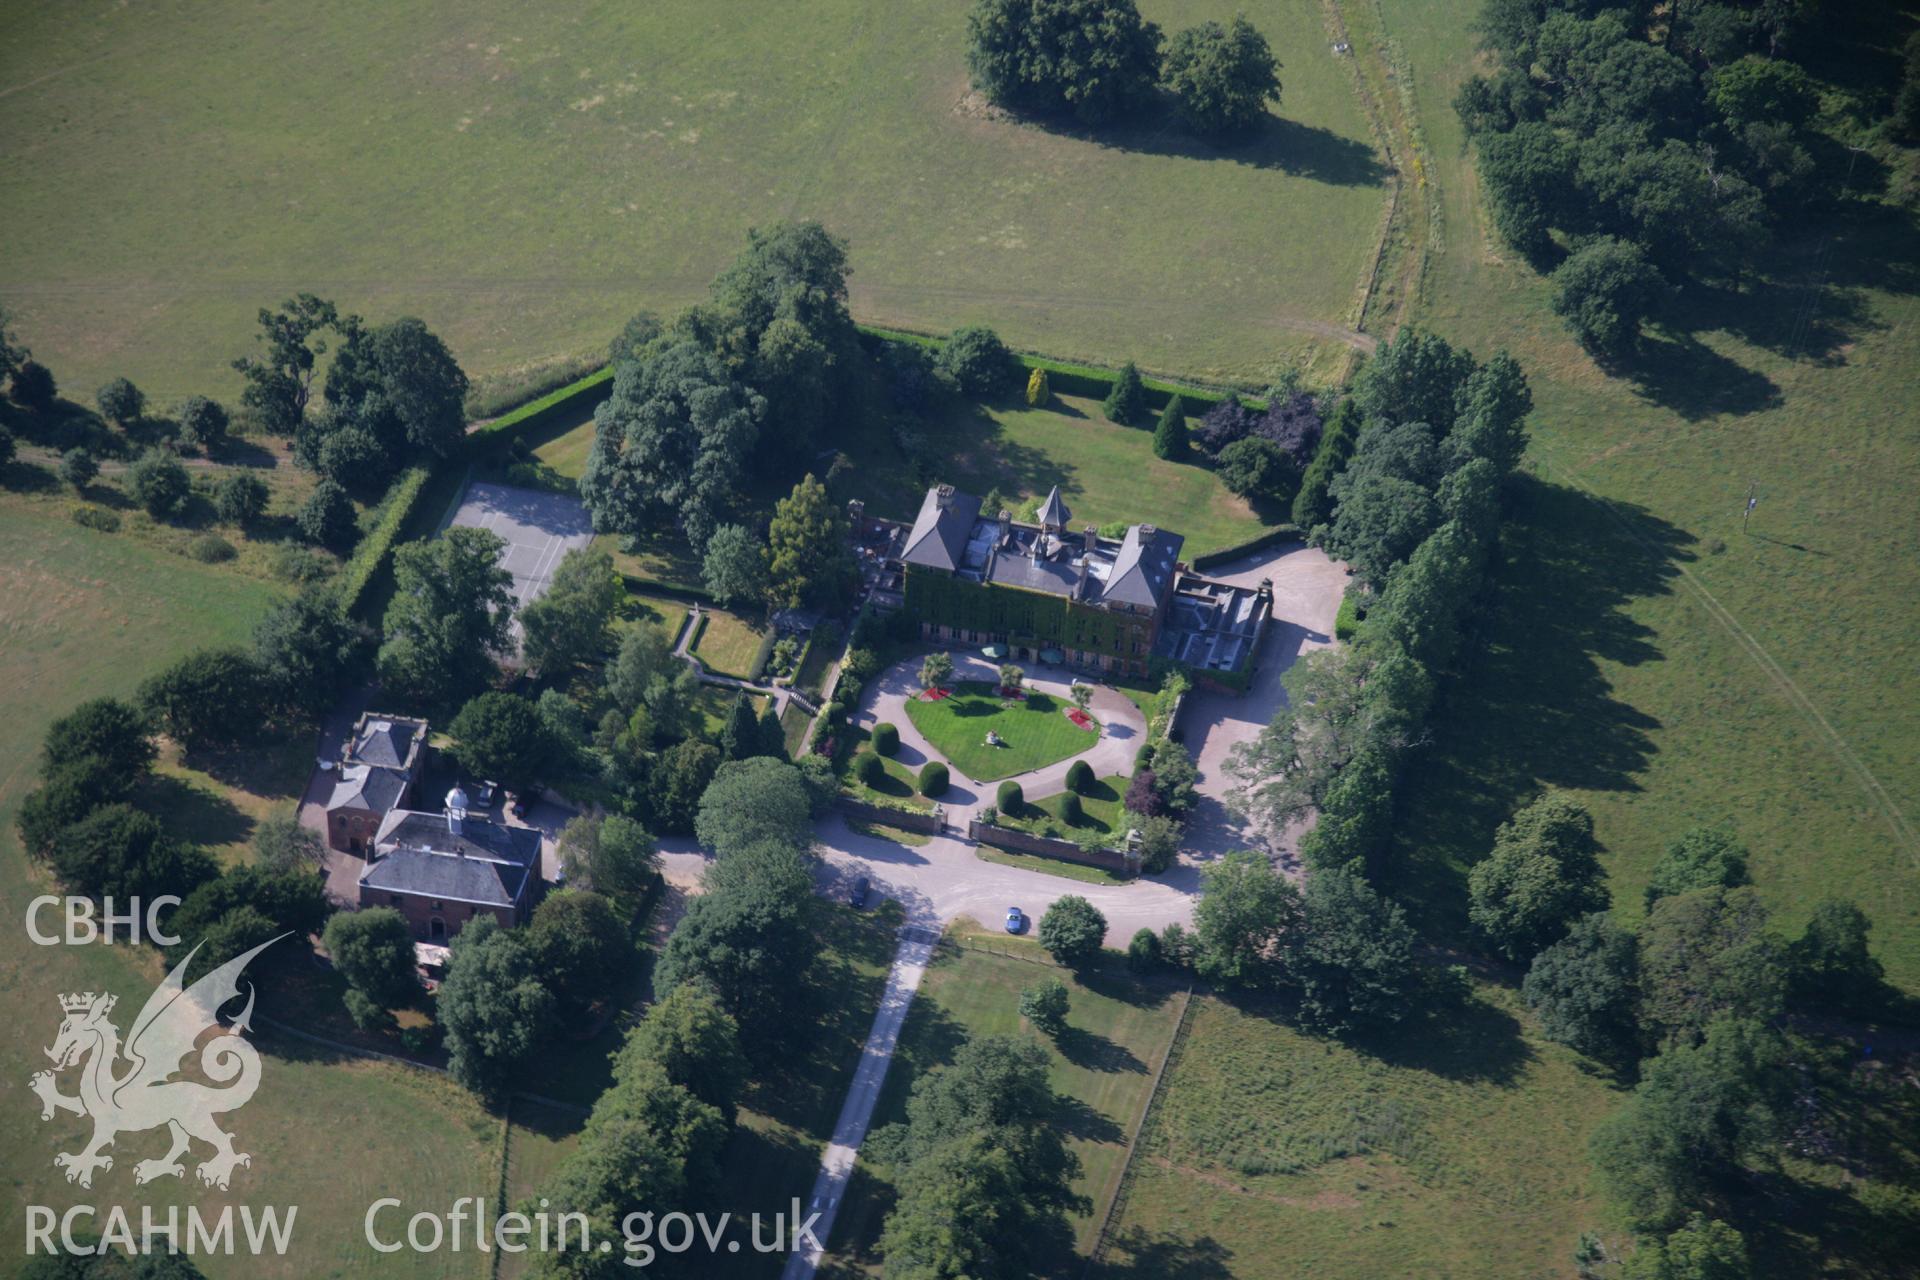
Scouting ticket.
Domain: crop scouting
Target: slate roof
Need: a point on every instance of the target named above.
(443, 876)
(365, 787)
(387, 741)
(1015, 568)
(485, 863)
(938, 539)
(1143, 570)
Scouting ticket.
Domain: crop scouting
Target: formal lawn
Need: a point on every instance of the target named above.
(1118, 1030)
(1641, 649)
(794, 723)
(525, 181)
(1459, 1151)
(1034, 731)
(1100, 812)
(728, 644)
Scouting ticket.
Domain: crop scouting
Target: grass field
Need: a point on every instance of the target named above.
(728, 644)
(1118, 1031)
(1642, 650)
(88, 614)
(1034, 731)
(1462, 1152)
(524, 182)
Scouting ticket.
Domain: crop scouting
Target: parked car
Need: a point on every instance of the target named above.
(860, 889)
(1016, 920)
(483, 794)
(519, 806)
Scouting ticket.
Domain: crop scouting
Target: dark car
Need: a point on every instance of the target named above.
(860, 888)
(1016, 920)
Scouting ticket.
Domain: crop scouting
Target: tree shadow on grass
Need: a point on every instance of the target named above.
(1165, 1256)
(1474, 1043)
(18, 476)
(1685, 376)
(1277, 142)
(193, 812)
(1078, 1120)
(1532, 706)
(1093, 1052)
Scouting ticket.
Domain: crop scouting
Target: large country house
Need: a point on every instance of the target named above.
(1042, 591)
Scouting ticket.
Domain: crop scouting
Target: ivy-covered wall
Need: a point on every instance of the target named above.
(1024, 617)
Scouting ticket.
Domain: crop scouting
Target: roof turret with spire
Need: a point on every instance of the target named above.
(1053, 512)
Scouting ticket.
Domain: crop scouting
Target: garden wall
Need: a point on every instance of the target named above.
(1042, 846)
(932, 822)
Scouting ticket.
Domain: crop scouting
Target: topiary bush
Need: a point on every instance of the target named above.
(1071, 812)
(1143, 953)
(886, 738)
(868, 769)
(1038, 392)
(1079, 777)
(1011, 799)
(933, 779)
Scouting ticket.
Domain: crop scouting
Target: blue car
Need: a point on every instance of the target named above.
(1016, 920)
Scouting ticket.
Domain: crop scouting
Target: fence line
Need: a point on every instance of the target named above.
(1124, 1184)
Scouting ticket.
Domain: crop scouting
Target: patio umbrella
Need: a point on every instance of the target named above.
(1052, 655)
(995, 651)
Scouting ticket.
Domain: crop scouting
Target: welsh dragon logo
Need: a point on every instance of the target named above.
(147, 1093)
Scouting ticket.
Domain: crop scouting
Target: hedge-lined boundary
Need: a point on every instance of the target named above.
(371, 555)
(1086, 379)
(1226, 555)
(592, 389)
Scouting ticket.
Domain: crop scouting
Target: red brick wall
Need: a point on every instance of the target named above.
(419, 912)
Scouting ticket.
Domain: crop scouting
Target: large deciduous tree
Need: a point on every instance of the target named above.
(495, 1007)
(1072, 930)
(1222, 76)
(1097, 59)
(280, 381)
(735, 567)
(754, 802)
(672, 442)
(1542, 875)
(567, 624)
(410, 368)
(1248, 921)
(452, 604)
(1583, 988)
(501, 736)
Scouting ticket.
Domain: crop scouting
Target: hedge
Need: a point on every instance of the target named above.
(1069, 378)
(1010, 798)
(886, 738)
(758, 667)
(371, 555)
(1079, 776)
(868, 769)
(1226, 555)
(592, 389)
(933, 779)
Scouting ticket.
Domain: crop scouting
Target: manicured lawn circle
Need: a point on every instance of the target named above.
(1032, 730)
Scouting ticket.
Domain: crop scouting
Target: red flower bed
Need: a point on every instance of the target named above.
(1081, 719)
